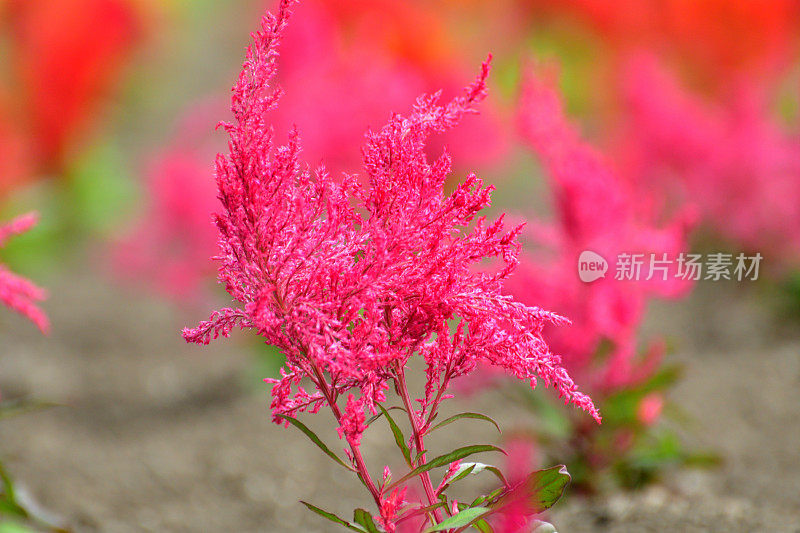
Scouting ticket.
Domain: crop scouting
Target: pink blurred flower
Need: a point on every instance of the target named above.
(169, 247)
(333, 97)
(596, 210)
(16, 292)
(516, 516)
(731, 158)
(649, 410)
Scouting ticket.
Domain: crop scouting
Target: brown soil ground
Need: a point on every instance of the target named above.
(156, 435)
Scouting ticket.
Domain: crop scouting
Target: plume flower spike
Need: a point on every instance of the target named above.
(350, 281)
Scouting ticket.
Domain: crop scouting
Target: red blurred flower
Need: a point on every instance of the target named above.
(711, 36)
(65, 57)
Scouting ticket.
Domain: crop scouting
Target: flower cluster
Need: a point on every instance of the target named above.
(597, 210)
(350, 280)
(330, 42)
(16, 292)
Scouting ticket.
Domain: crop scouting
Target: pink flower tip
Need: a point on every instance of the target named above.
(17, 293)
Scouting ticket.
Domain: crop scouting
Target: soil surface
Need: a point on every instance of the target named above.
(156, 435)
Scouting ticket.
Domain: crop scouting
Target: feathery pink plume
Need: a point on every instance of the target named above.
(352, 280)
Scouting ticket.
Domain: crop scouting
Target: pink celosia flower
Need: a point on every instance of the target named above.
(598, 211)
(16, 292)
(353, 422)
(390, 508)
(352, 280)
(452, 470)
(731, 158)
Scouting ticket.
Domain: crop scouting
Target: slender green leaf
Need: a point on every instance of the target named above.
(446, 459)
(363, 518)
(375, 417)
(8, 497)
(13, 408)
(462, 519)
(476, 416)
(13, 527)
(482, 526)
(466, 469)
(315, 439)
(332, 517)
(541, 489)
(462, 472)
(9, 508)
(419, 454)
(548, 485)
(399, 439)
(492, 496)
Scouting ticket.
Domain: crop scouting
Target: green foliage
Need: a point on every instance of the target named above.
(7, 526)
(462, 519)
(623, 448)
(446, 459)
(538, 491)
(542, 489)
(15, 515)
(363, 518)
(476, 416)
(100, 189)
(315, 439)
(332, 517)
(399, 439)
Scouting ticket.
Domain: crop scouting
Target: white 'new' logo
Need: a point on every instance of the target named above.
(591, 266)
